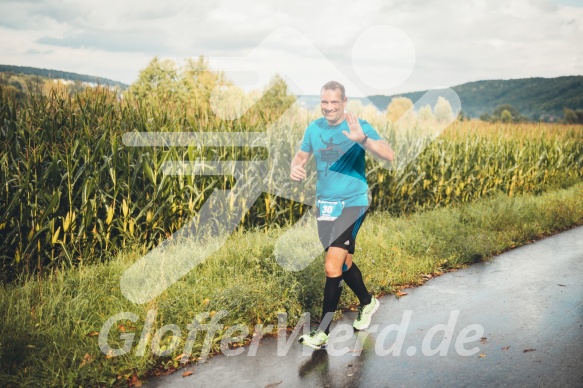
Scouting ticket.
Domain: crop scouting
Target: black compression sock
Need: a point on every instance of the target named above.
(332, 292)
(353, 278)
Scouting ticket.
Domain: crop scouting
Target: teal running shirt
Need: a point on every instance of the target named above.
(339, 161)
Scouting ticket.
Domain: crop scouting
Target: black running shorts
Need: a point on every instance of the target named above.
(341, 232)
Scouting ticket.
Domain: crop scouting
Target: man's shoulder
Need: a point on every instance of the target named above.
(319, 123)
(316, 126)
(369, 129)
(363, 122)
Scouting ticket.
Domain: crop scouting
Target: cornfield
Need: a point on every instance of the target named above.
(73, 193)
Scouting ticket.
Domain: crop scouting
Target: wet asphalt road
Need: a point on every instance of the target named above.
(516, 321)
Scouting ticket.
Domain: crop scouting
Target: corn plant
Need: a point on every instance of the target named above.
(73, 193)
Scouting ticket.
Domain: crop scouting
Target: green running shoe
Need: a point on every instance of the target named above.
(317, 339)
(365, 314)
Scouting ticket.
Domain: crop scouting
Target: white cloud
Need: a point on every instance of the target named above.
(454, 42)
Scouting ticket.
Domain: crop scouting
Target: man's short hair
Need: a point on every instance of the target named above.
(333, 85)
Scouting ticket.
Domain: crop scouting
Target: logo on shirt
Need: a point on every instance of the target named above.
(332, 152)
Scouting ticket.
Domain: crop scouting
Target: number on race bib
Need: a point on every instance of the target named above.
(329, 211)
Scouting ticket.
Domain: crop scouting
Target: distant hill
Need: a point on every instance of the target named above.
(535, 98)
(57, 74)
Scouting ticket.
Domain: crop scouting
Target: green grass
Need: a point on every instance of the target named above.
(48, 324)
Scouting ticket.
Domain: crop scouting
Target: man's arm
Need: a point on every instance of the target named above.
(379, 148)
(298, 172)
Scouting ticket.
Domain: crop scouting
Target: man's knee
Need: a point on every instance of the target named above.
(335, 258)
(333, 270)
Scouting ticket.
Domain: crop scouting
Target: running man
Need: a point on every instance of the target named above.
(338, 142)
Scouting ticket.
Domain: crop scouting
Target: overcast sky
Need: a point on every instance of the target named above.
(374, 47)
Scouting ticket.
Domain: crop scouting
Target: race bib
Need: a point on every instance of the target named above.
(329, 211)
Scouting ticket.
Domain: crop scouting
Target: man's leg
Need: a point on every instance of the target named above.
(335, 257)
(350, 272)
(353, 278)
(368, 304)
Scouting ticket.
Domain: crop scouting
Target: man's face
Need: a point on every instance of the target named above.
(332, 105)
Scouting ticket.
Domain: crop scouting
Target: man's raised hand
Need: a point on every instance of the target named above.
(356, 133)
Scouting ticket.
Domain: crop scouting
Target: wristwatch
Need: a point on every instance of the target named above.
(364, 141)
